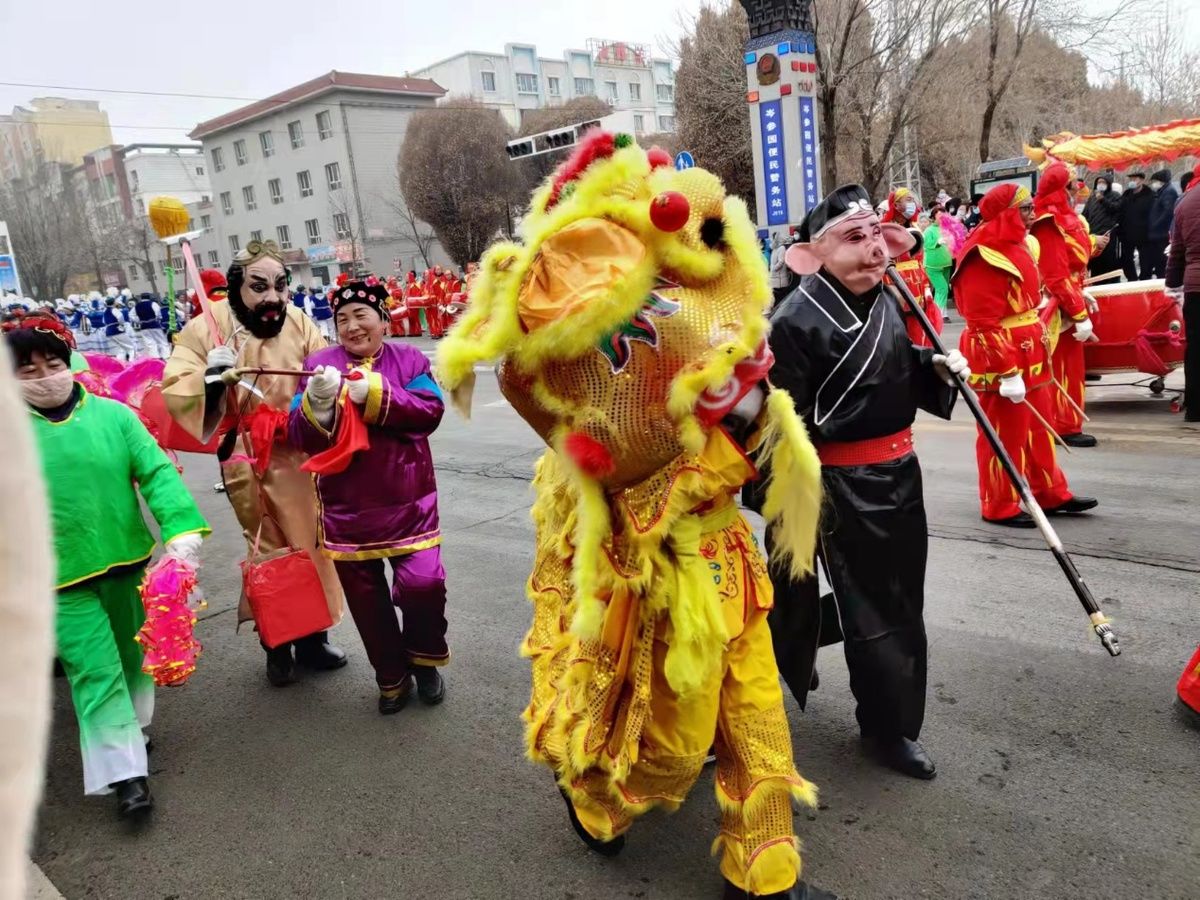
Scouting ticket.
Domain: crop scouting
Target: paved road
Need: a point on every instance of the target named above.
(1063, 773)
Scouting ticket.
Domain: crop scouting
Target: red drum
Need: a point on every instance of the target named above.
(1139, 329)
(454, 309)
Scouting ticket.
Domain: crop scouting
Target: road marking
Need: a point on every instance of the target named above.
(38, 886)
(496, 404)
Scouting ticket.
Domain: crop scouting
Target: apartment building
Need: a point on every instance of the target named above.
(623, 74)
(314, 169)
(50, 129)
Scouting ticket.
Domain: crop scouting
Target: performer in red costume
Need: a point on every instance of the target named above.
(999, 293)
(215, 288)
(903, 208)
(437, 302)
(397, 311)
(1066, 248)
(415, 298)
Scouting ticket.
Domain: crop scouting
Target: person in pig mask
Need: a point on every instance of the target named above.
(843, 353)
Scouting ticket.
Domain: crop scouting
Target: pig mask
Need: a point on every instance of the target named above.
(844, 235)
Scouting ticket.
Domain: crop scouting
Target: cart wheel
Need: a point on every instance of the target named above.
(1157, 386)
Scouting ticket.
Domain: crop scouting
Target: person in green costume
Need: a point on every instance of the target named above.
(102, 546)
(938, 261)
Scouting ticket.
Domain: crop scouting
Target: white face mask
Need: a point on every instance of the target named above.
(1156, 185)
(1101, 188)
(909, 209)
(49, 392)
(1134, 185)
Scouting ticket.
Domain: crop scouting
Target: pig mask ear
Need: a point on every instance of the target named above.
(803, 259)
(899, 239)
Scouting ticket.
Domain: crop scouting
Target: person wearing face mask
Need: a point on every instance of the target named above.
(1134, 227)
(382, 506)
(102, 546)
(973, 217)
(1158, 230)
(1103, 214)
(257, 326)
(843, 353)
(902, 209)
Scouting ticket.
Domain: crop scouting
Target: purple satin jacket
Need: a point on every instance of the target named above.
(385, 502)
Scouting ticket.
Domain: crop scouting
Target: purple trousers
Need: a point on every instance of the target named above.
(418, 592)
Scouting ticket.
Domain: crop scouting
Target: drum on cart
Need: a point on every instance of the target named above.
(1138, 328)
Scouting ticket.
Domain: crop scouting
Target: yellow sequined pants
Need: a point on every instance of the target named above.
(625, 749)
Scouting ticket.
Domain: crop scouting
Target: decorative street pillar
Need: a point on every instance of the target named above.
(781, 88)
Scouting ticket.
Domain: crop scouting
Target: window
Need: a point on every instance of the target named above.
(196, 260)
(635, 90)
(526, 84)
(324, 125)
(141, 204)
(296, 134)
(248, 198)
(285, 237)
(164, 265)
(666, 93)
(313, 229)
(218, 158)
(226, 203)
(267, 141)
(133, 273)
(234, 245)
(256, 235)
(206, 222)
(553, 87)
(333, 176)
(489, 82)
(4, 244)
(666, 123)
(639, 123)
(239, 152)
(341, 225)
(214, 259)
(584, 86)
(199, 170)
(305, 183)
(275, 189)
(610, 91)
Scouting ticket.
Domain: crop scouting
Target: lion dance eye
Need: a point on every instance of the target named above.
(712, 232)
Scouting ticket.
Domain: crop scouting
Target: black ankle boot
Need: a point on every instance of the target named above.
(281, 669)
(133, 798)
(315, 652)
(899, 753)
(431, 687)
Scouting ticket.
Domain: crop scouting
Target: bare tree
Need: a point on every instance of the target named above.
(712, 117)
(411, 228)
(456, 175)
(343, 214)
(1165, 65)
(44, 227)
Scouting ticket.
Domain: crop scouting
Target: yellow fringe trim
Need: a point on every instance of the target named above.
(792, 505)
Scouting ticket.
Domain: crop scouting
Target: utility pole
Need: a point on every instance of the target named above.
(904, 157)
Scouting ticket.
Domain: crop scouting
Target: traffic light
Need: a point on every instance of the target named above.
(558, 139)
(519, 148)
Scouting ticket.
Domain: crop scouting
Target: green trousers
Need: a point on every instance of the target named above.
(114, 700)
(940, 281)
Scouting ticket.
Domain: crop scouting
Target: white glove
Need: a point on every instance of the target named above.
(323, 388)
(1013, 388)
(359, 388)
(186, 549)
(1083, 330)
(1174, 293)
(951, 364)
(1092, 304)
(222, 357)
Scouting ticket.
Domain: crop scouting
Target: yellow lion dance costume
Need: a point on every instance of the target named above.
(628, 325)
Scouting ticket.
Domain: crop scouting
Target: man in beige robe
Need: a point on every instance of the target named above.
(258, 327)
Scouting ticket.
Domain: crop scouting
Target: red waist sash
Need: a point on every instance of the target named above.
(868, 452)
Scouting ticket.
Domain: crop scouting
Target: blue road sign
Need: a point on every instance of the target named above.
(683, 160)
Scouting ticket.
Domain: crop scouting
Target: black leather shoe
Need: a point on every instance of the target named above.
(1073, 506)
(1020, 520)
(316, 653)
(392, 700)
(798, 891)
(905, 756)
(133, 798)
(604, 848)
(281, 668)
(1079, 439)
(431, 687)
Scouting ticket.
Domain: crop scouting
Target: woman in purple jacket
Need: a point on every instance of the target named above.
(383, 505)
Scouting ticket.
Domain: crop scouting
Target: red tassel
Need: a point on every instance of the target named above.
(658, 158)
(589, 454)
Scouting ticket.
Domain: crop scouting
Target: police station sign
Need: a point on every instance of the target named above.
(770, 116)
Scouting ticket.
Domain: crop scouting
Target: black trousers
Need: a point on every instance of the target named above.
(874, 544)
(1191, 358)
(1108, 260)
(1154, 259)
(1127, 262)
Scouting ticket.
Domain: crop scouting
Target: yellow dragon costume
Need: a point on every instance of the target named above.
(628, 325)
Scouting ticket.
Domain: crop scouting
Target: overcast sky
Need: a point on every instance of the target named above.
(251, 49)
